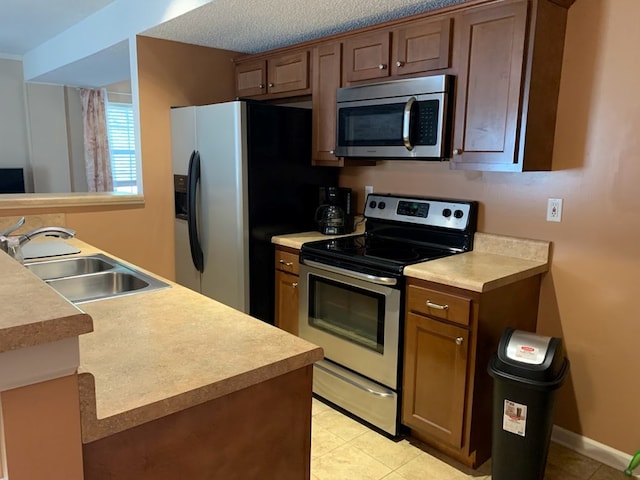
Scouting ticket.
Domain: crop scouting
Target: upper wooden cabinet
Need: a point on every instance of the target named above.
(274, 76)
(366, 57)
(414, 48)
(251, 78)
(422, 46)
(506, 56)
(508, 60)
(326, 62)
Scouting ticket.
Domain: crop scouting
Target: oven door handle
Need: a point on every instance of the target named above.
(360, 276)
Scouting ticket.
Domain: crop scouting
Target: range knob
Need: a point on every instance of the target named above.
(381, 205)
(458, 214)
(446, 213)
(373, 204)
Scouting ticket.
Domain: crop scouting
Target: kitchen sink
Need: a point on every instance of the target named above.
(69, 267)
(94, 277)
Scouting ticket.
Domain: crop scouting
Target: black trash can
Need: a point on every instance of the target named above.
(527, 370)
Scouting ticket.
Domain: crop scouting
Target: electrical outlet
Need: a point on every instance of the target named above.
(554, 210)
(367, 190)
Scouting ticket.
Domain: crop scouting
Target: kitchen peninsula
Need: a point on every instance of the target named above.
(172, 384)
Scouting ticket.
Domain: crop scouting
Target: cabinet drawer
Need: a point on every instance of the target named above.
(438, 304)
(287, 262)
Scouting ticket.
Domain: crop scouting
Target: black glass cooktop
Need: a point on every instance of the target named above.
(371, 254)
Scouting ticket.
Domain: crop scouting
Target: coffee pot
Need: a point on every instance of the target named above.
(331, 216)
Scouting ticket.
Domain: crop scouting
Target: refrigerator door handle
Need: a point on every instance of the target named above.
(192, 214)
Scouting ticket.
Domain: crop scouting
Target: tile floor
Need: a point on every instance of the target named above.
(343, 449)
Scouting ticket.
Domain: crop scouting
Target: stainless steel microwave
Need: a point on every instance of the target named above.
(401, 119)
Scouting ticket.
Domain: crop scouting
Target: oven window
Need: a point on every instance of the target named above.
(348, 312)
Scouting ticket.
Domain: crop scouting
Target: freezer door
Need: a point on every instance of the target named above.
(221, 141)
(183, 143)
(183, 138)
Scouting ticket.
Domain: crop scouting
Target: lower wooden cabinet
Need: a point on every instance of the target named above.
(435, 367)
(286, 302)
(450, 335)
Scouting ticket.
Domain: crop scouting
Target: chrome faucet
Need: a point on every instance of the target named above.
(12, 244)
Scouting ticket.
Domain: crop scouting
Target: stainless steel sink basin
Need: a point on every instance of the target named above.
(69, 267)
(94, 277)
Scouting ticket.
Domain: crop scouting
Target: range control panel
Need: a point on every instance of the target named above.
(433, 212)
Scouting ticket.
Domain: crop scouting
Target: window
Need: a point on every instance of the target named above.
(122, 146)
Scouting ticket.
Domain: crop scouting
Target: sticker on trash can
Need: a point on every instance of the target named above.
(514, 419)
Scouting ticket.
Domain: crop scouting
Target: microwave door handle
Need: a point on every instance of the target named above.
(406, 123)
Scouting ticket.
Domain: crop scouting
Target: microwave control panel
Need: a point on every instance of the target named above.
(433, 212)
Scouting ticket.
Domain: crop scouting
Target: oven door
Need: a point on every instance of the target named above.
(355, 320)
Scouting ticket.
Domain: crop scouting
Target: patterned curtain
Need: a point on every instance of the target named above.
(96, 143)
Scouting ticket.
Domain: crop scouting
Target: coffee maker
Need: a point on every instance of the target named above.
(334, 214)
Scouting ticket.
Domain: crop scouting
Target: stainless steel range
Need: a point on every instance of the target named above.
(352, 297)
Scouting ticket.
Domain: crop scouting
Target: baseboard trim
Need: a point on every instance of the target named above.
(592, 449)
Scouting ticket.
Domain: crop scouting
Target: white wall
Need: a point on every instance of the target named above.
(35, 131)
(50, 163)
(14, 144)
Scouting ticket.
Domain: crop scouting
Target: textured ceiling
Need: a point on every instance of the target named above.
(253, 26)
(248, 26)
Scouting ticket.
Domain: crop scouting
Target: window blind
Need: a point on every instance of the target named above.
(122, 147)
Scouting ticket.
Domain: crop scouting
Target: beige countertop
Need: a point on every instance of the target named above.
(152, 354)
(32, 313)
(296, 240)
(496, 260)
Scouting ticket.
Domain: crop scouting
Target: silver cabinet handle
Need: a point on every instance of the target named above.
(459, 340)
(457, 151)
(430, 304)
(332, 152)
(382, 66)
(261, 86)
(286, 264)
(271, 85)
(399, 64)
(294, 285)
(406, 123)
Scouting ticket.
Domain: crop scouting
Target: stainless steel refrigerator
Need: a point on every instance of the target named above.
(242, 173)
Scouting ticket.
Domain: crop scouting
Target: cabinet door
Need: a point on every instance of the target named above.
(435, 374)
(366, 57)
(288, 73)
(490, 48)
(251, 78)
(327, 72)
(422, 47)
(287, 302)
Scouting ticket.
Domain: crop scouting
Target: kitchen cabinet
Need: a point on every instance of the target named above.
(436, 360)
(366, 56)
(326, 62)
(422, 46)
(287, 277)
(450, 335)
(508, 63)
(414, 48)
(506, 56)
(286, 74)
(251, 78)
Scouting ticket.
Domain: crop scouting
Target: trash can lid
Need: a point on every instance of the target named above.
(527, 347)
(527, 356)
